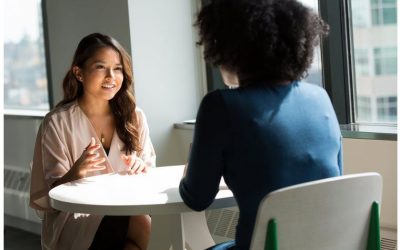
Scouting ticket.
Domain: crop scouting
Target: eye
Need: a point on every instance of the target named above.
(99, 66)
(118, 68)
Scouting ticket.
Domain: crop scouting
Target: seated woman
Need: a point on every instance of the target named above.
(96, 129)
(272, 129)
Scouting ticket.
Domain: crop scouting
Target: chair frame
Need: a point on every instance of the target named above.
(347, 198)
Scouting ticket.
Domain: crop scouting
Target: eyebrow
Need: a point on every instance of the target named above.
(100, 61)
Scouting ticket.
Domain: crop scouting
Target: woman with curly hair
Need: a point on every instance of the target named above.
(96, 129)
(273, 129)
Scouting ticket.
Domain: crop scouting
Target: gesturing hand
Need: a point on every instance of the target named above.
(134, 164)
(89, 160)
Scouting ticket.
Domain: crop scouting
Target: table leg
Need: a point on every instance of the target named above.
(166, 232)
(196, 232)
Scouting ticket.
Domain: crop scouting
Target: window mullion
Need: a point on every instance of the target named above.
(338, 58)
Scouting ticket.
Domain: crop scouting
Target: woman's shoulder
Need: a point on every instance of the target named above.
(311, 89)
(215, 95)
(309, 86)
(60, 113)
(140, 115)
(139, 112)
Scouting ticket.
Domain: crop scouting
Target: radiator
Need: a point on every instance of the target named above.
(16, 200)
(222, 223)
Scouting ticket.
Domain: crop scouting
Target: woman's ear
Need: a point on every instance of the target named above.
(77, 73)
(230, 78)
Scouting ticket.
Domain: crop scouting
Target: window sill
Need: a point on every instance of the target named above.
(25, 113)
(354, 131)
(370, 131)
(184, 125)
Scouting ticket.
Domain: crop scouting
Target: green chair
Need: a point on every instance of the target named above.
(339, 213)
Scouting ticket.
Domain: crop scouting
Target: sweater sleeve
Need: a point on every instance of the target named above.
(200, 185)
(50, 162)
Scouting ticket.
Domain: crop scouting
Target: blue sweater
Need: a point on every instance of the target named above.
(260, 139)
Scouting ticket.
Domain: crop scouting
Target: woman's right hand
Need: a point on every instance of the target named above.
(89, 161)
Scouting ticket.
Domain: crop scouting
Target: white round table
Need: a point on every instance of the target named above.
(155, 193)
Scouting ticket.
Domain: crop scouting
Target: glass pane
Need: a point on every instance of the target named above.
(375, 61)
(391, 2)
(375, 15)
(25, 77)
(385, 61)
(315, 71)
(361, 18)
(362, 61)
(389, 15)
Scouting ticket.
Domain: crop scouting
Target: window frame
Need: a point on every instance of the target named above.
(46, 41)
(29, 112)
(339, 73)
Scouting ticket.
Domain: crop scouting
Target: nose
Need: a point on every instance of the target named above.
(110, 75)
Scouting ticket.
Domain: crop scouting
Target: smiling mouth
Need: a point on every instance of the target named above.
(107, 86)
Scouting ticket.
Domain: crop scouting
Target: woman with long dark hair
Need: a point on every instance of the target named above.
(95, 129)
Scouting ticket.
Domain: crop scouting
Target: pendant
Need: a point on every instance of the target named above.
(102, 139)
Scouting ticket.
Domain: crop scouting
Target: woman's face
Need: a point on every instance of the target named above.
(102, 75)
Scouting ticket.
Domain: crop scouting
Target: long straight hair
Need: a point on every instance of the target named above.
(123, 104)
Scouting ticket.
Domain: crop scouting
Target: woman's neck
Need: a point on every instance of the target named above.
(94, 107)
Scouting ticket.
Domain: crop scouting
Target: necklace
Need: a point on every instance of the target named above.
(94, 121)
(102, 139)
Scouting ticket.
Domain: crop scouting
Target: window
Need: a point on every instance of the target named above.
(315, 71)
(364, 108)
(362, 61)
(383, 12)
(375, 61)
(25, 76)
(387, 108)
(362, 17)
(385, 61)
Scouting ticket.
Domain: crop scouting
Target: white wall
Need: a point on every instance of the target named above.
(375, 156)
(69, 21)
(166, 64)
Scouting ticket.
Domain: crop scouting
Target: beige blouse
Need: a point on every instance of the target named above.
(63, 135)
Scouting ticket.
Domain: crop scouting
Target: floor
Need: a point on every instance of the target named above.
(16, 239)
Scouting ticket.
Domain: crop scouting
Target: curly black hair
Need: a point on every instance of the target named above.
(267, 41)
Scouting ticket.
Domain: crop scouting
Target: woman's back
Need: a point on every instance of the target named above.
(261, 139)
(272, 131)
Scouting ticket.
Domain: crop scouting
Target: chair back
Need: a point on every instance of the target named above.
(327, 214)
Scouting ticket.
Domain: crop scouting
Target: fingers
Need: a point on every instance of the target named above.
(138, 167)
(96, 168)
(91, 158)
(92, 163)
(134, 164)
(93, 146)
(126, 159)
(135, 169)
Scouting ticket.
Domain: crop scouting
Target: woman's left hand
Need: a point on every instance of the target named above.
(134, 164)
